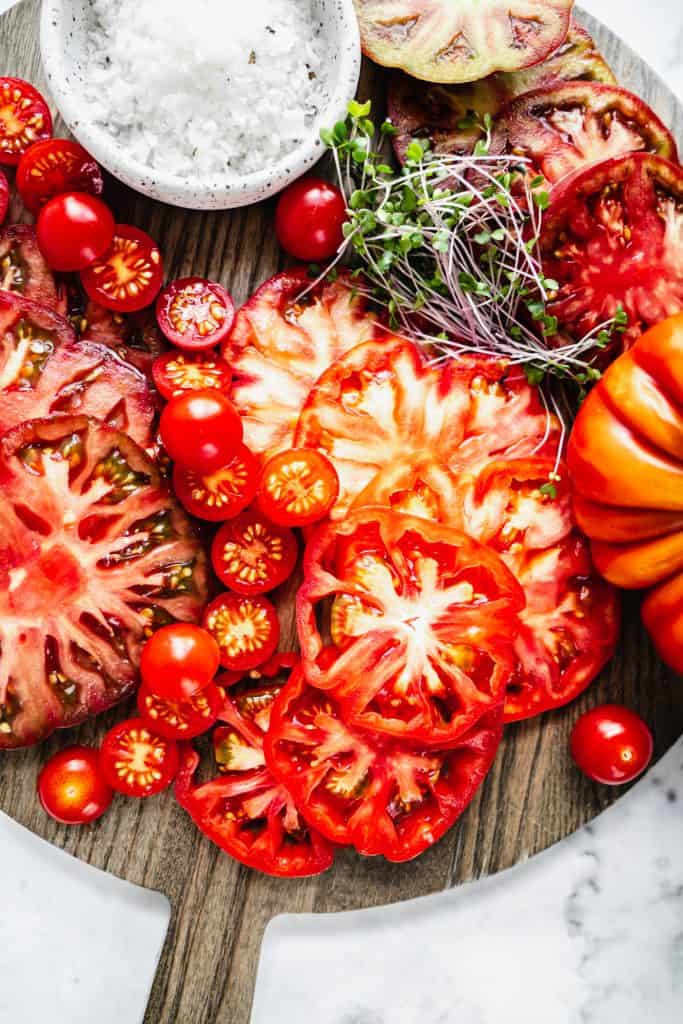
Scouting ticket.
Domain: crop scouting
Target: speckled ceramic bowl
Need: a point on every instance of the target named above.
(64, 26)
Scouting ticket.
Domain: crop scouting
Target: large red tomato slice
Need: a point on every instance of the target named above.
(422, 616)
(44, 370)
(613, 236)
(381, 404)
(23, 270)
(281, 342)
(245, 810)
(94, 554)
(384, 797)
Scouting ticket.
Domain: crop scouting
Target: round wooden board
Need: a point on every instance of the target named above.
(531, 799)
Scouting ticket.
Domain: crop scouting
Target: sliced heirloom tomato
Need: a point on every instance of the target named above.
(245, 810)
(94, 555)
(246, 629)
(23, 270)
(134, 337)
(43, 370)
(129, 275)
(298, 487)
(175, 372)
(54, 166)
(386, 798)
(24, 119)
(220, 495)
(440, 41)
(564, 128)
(284, 336)
(423, 618)
(451, 117)
(382, 404)
(181, 719)
(613, 237)
(195, 314)
(4, 196)
(251, 555)
(136, 760)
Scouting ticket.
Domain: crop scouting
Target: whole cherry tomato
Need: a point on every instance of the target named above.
(201, 430)
(611, 744)
(179, 660)
(72, 788)
(73, 230)
(309, 219)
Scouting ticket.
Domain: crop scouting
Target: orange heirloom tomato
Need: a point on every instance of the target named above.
(626, 463)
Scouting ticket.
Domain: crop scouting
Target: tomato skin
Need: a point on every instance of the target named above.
(54, 166)
(136, 760)
(71, 786)
(309, 218)
(201, 430)
(195, 314)
(180, 719)
(4, 197)
(226, 618)
(221, 495)
(73, 230)
(24, 119)
(179, 660)
(298, 487)
(251, 555)
(128, 276)
(611, 744)
(176, 372)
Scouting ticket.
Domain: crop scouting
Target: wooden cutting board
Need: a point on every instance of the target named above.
(532, 798)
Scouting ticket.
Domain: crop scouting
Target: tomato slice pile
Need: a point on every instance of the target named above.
(23, 271)
(94, 554)
(24, 119)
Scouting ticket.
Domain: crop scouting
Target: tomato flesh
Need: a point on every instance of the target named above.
(54, 166)
(180, 719)
(611, 744)
(220, 495)
(388, 798)
(4, 197)
(246, 629)
(251, 555)
(128, 276)
(73, 230)
(195, 314)
(136, 760)
(298, 487)
(201, 430)
(309, 218)
(179, 660)
(175, 372)
(24, 119)
(23, 270)
(72, 788)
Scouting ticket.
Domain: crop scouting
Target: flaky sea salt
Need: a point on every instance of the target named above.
(205, 87)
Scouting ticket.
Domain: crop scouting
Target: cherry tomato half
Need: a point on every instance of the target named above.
(309, 218)
(72, 788)
(178, 660)
(24, 119)
(195, 314)
(73, 230)
(4, 197)
(246, 629)
(128, 276)
(611, 744)
(251, 555)
(180, 719)
(175, 372)
(136, 760)
(220, 495)
(298, 487)
(201, 430)
(54, 166)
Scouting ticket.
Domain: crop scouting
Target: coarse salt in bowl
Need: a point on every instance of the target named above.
(201, 105)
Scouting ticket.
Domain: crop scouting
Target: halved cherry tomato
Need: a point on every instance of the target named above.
(128, 276)
(245, 810)
(4, 197)
(309, 218)
(73, 230)
(24, 119)
(201, 430)
(195, 314)
(383, 796)
(298, 487)
(246, 629)
(72, 788)
(178, 660)
(423, 618)
(252, 555)
(54, 166)
(180, 719)
(136, 760)
(220, 495)
(176, 372)
(611, 744)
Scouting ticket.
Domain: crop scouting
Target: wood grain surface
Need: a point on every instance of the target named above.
(533, 797)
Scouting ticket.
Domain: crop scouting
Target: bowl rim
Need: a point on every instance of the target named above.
(207, 192)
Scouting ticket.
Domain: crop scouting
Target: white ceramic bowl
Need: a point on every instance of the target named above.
(63, 40)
